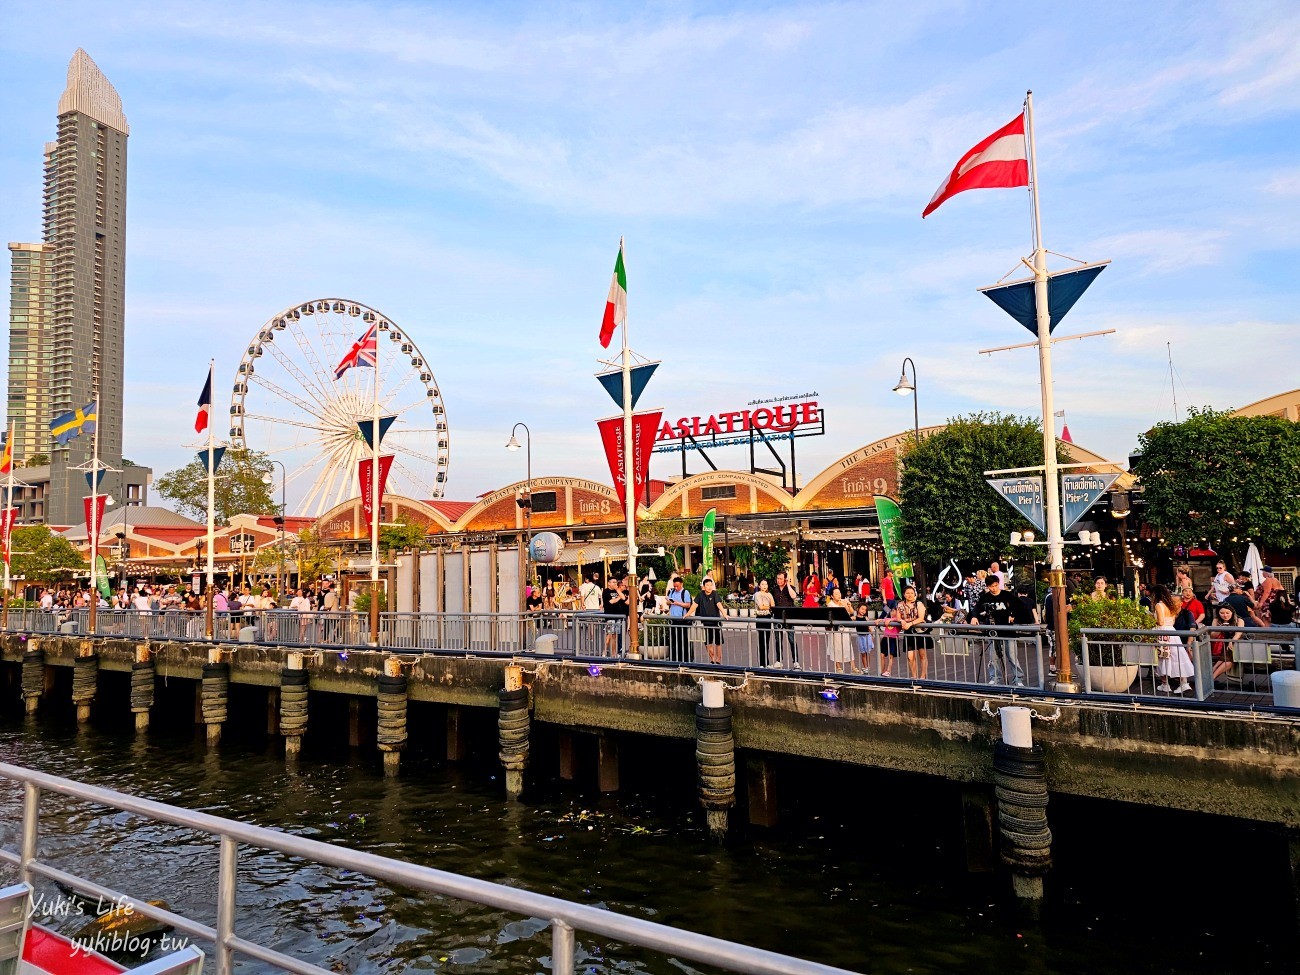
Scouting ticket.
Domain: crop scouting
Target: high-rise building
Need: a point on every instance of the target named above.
(31, 309)
(80, 332)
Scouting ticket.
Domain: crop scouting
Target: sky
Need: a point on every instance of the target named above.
(468, 169)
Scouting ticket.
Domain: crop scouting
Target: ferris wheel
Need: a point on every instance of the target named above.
(289, 403)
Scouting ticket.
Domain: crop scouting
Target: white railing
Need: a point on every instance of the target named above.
(565, 918)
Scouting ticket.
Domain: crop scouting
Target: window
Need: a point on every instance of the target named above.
(242, 543)
(719, 492)
(545, 502)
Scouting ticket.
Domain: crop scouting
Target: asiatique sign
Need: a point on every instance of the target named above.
(778, 418)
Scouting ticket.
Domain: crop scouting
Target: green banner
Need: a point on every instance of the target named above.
(888, 513)
(101, 577)
(706, 540)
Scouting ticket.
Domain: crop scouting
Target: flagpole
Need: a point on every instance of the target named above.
(1051, 486)
(212, 512)
(9, 501)
(92, 523)
(630, 492)
(374, 503)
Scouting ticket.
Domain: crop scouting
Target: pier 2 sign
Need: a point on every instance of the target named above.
(1079, 492)
(1025, 494)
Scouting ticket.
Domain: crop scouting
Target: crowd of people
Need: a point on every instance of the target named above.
(169, 597)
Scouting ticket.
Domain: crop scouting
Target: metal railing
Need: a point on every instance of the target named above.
(1126, 662)
(565, 918)
(1224, 662)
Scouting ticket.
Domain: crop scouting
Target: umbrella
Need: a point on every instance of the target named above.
(1254, 565)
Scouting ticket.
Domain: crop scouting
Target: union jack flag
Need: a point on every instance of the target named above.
(362, 353)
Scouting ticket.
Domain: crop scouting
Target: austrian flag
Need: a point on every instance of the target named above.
(998, 161)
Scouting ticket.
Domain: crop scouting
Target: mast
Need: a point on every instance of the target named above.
(9, 502)
(1051, 477)
(629, 473)
(212, 511)
(374, 501)
(92, 523)
(1173, 390)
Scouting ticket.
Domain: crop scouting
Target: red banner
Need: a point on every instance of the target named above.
(7, 518)
(644, 428)
(367, 489)
(95, 526)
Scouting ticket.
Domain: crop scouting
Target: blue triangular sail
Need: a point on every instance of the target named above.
(613, 382)
(1064, 288)
(217, 454)
(367, 428)
(95, 480)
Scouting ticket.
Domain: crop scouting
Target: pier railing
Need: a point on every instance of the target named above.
(1124, 662)
(565, 918)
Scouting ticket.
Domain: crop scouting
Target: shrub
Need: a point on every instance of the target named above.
(1087, 613)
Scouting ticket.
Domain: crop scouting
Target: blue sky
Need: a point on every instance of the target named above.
(469, 168)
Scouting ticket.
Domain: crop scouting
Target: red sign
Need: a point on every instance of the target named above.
(94, 525)
(777, 418)
(7, 518)
(367, 489)
(644, 426)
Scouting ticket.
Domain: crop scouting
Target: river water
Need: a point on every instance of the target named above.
(865, 871)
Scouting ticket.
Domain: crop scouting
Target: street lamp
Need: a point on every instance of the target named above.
(268, 479)
(513, 444)
(906, 387)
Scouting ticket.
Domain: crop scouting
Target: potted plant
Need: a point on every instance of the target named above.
(1109, 667)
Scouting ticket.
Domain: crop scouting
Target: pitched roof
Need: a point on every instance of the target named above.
(142, 516)
(451, 510)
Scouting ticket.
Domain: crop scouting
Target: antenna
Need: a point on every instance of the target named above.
(1169, 351)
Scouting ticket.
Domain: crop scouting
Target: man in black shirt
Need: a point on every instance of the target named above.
(785, 596)
(613, 603)
(998, 608)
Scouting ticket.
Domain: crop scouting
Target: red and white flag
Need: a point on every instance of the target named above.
(205, 405)
(998, 161)
(364, 352)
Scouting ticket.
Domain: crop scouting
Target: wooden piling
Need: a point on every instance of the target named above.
(293, 705)
(33, 677)
(607, 763)
(513, 728)
(456, 743)
(391, 694)
(567, 762)
(142, 685)
(85, 676)
(215, 694)
(761, 775)
(977, 828)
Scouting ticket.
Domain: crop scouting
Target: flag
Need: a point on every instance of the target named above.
(1065, 433)
(205, 405)
(6, 454)
(7, 518)
(363, 353)
(74, 424)
(644, 428)
(999, 160)
(616, 303)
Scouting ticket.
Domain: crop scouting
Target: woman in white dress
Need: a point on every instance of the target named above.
(1174, 659)
(843, 637)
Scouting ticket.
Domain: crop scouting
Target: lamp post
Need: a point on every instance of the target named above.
(267, 478)
(906, 387)
(513, 444)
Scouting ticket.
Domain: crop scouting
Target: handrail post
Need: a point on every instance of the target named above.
(561, 948)
(1083, 658)
(226, 884)
(31, 830)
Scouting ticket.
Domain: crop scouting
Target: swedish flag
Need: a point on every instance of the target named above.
(74, 424)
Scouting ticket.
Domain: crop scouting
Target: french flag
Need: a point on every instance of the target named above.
(362, 353)
(205, 404)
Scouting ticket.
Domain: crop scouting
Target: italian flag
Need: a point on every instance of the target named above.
(616, 303)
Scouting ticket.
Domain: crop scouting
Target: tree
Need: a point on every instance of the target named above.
(239, 487)
(949, 511)
(1221, 478)
(35, 460)
(40, 554)
(667, 532)
(315, 559)
(404, 534)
